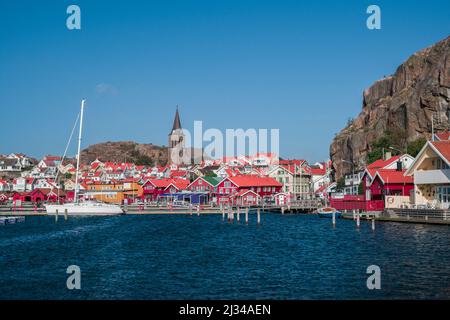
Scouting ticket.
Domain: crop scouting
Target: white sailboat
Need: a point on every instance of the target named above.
(85, 208)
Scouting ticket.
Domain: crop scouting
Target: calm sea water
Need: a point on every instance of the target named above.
(190, 257)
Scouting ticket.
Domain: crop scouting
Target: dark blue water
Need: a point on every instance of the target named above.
(190, 257)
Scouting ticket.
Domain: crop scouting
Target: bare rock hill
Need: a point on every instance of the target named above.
(405, 101)
(126, 151)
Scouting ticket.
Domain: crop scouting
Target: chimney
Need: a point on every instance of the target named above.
(387, 155)
(399, 165)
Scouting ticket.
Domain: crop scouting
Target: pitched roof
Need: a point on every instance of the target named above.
(245, 191)
(443, 147)
(443, 135)
(176, 121)
(254, 181)
(394, 176)
(381, 163)
(318, 171)
(214, 181)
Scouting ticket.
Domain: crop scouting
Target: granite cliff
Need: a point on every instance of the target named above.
(404, 102)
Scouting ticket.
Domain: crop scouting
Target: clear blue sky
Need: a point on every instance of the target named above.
(298, 66)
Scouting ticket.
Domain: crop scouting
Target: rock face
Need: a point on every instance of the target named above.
(405, 101)
(126, 151)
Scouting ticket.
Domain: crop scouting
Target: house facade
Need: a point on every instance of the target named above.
(431, 172)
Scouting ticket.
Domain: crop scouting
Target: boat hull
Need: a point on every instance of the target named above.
(84, 210)
(328, 212)
(329, 215)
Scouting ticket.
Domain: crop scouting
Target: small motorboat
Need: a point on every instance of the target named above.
(328, 212)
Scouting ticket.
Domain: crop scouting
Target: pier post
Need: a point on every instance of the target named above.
(358, 222)
(246, 215)
(258, 212)
(282, 209)
(334, 219)
(198, 210)
(65, 214)
(190, 209)
(238, 212)
(223, 214)
(373, 224)
(56, 216)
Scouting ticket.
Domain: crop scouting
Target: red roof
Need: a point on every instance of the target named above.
(243, 192)
(443, 147)
(443, 135)
(254, 181)
(291, 162)
(318, 171)
(389, 176)
(178, 173)
(380, 163)
(181, 184)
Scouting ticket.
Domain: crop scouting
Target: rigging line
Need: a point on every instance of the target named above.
(67, 147)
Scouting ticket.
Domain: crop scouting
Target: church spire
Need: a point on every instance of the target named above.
(176, 121)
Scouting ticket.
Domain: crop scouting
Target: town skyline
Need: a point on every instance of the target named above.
(134, 74)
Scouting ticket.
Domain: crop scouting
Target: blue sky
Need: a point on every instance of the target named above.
(297, 66)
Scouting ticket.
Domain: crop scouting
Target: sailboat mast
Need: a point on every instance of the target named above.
(78, 154)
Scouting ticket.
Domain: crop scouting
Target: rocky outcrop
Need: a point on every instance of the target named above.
(126, 151)
(404, 102)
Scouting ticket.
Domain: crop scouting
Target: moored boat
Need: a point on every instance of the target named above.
(328, 212)
(89, 208)
(84, 208)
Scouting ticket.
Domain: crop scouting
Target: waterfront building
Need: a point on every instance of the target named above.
(295, 176)
(388, 185)
(320, 175)
(431, 172)
(352, 182)
(153, 189)
(116, 192)
(265, 187)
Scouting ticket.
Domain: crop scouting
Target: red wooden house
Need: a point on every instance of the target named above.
(204, 184)
(264, 187)
(386, 182)
(153, 188)
(246, 197)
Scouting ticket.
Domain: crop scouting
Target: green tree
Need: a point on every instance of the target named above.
(415, 146)
(340, 184)
(360, 188)
(396, 138)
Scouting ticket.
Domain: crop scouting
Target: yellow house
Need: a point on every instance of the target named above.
(431, 170)
(114, 192)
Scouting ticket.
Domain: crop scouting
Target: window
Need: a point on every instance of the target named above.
(443, 194)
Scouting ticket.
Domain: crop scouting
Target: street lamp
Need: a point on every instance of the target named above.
(353, 174)
(395, 149)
